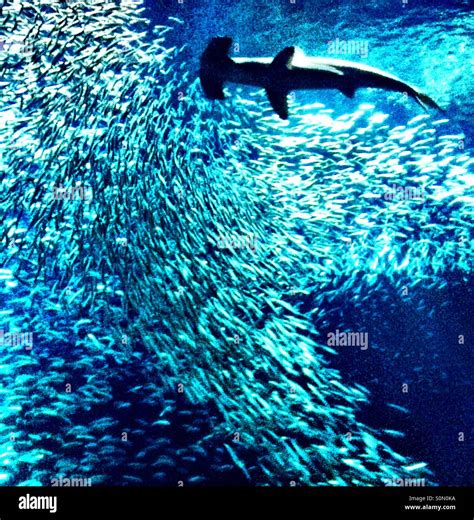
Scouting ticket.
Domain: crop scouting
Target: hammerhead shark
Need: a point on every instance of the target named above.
(294, 71)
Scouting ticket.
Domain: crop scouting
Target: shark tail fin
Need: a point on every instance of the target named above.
(425, 101)
(216, 52)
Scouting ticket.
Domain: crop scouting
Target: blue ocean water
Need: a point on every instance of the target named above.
(196, 292)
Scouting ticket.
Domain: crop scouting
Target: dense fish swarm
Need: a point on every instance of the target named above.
(175, 308)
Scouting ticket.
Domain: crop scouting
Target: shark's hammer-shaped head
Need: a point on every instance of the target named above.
(213, 63)
(217, 68)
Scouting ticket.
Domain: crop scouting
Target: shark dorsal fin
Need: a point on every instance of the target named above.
(284, 57)
(279, 102)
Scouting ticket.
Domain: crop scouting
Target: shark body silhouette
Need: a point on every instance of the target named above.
(287, 72)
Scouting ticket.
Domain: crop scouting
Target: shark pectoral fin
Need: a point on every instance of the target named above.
(279, 102)
(213, 88)
(348, 90)
(284, 57)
